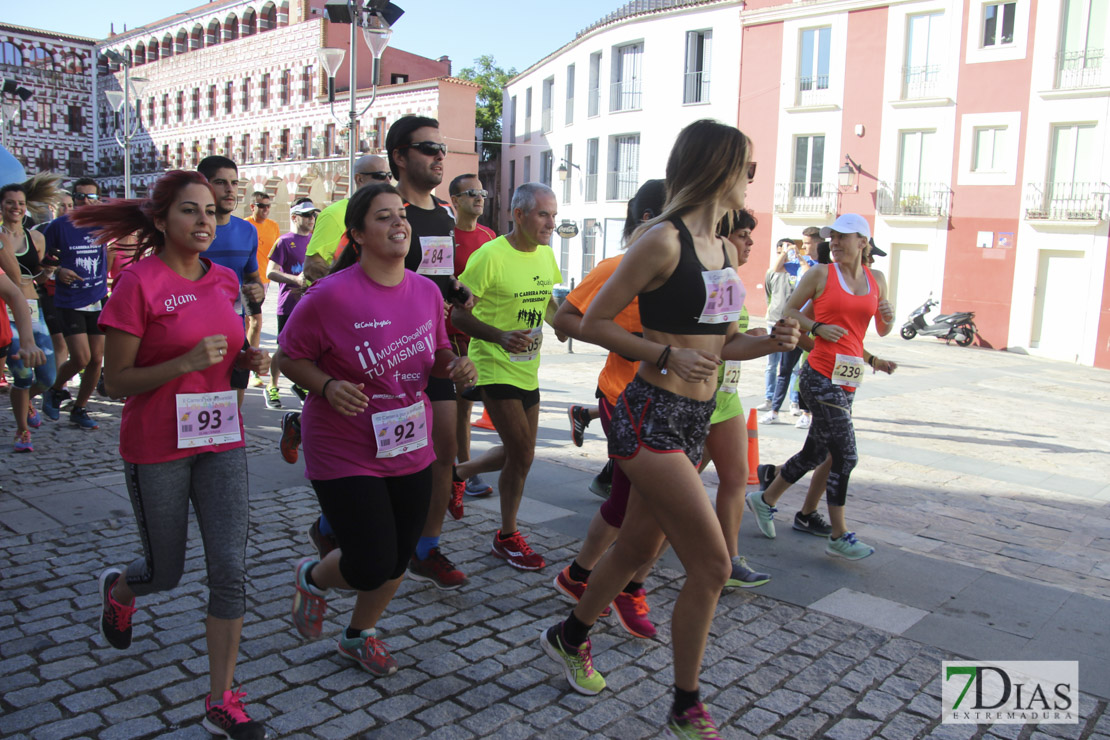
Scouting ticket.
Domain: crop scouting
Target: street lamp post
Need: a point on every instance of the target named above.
(376, 21)
(132, 90)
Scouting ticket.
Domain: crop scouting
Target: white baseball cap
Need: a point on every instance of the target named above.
(304, 208)
(847, 223)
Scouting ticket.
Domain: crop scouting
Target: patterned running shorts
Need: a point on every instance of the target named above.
(649, 416)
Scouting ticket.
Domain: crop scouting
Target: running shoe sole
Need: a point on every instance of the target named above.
(434, 581)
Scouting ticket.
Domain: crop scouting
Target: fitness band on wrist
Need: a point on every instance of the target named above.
(324, 390)
(813, 329)
(661, 363)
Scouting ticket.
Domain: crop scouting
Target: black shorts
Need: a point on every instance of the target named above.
(506, 392)
(50, 313)
(440, 389)
(660, 420)
(240, 379)
(79, 322)
(282, 318)
(253, 309)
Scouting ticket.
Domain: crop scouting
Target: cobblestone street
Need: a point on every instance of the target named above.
(781, 663)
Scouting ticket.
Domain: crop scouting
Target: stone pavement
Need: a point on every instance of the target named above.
(982, 481)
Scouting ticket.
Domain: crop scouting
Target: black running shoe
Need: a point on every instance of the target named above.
(230, 719)
(766, 474)
(579, 420)
(115, 618)
(812, 523)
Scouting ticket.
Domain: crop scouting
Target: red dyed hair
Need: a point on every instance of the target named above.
(121, 218)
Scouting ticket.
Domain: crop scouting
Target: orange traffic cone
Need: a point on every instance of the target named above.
(753, 449)
(484, 422)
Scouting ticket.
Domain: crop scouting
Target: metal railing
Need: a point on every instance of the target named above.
(805, 197)
(621, 185)
(812, 90)
(624, 96)
(695, 87)
(912, 198)
(1079, 69)
(545, 120)
(921, 82)
(1067, 201)
(594, 99)
(591, 188)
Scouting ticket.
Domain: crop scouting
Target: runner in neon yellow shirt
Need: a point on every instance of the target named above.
(511, 278)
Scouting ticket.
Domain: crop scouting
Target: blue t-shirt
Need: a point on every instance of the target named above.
(77, 250)
(235, 247)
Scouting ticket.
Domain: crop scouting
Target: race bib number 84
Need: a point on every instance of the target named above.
(437, 256)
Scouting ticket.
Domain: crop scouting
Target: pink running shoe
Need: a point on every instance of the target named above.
(632, 611)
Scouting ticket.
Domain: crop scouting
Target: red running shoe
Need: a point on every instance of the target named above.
(515, 550)
(573, 589)
(632, 611)
(290, 436)
(438, 570)
(455, 508)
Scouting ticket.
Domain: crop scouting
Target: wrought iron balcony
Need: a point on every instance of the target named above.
(805, 197)
(913, 198)
(624, 96)
(1067, 201)
(812, 90)
(922, 82)
(1080, 69)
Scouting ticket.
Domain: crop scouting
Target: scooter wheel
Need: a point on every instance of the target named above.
(964, 335)
(908, 332)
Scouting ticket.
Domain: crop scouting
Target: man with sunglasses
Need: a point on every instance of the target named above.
(330, 227)
(81, 285)
(268, 233)
(469, 200)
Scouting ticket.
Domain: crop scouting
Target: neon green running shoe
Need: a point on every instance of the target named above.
(695, 723)
(577, 662)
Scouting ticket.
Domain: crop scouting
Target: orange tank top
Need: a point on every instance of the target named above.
(852, 312)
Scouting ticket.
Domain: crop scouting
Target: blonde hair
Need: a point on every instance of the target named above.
(42, 192)
(706, 160)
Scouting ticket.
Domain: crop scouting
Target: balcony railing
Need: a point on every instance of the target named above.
(921, 82)
(805, 197)
(695, 88)
(545, 120)
(1079, 69)
(621, 185)
(912, 198)
(624, 96)
(594, 99)
(591, 188)
(812, 90)
(1067, 201)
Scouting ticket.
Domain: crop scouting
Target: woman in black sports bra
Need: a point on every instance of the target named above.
(690, 298)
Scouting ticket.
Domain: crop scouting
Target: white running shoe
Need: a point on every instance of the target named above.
(771, 417)
(795, 409)
(803, 422)
(765, 406)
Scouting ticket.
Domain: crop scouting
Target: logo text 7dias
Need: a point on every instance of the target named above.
(1017, 692)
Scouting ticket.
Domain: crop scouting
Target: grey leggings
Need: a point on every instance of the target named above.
(216, 483)
(830, 433)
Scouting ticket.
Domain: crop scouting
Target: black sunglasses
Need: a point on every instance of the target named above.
(86, 196)
(473, 193)
(428, 148)
(375, 175)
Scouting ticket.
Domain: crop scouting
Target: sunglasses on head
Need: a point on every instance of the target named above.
(86, 196)
(428, 148)
(473, 193)
(384, 176)
(751, 171)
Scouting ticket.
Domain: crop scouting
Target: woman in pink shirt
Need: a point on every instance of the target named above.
(363, 341)
(171, 343)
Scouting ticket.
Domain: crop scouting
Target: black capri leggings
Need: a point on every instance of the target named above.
(377, 522)
(830, 433)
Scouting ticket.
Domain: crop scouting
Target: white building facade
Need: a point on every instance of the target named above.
(606, 108)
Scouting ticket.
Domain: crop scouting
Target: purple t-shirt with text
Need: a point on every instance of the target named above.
(289, 254)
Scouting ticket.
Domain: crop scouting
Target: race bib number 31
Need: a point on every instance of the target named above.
(848, 371)
(724, 296)
(205, 419)
(437, 255)
(400, 431)
(536, 337)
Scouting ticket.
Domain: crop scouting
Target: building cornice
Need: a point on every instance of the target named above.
(809, 8)
(46, 34)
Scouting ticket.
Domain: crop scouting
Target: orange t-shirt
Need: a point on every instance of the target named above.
(268, 233)
(618, 372)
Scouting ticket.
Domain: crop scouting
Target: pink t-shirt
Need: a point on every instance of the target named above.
(171, 314)
(357, 330)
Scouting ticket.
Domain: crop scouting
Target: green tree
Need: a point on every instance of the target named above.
(492, 78)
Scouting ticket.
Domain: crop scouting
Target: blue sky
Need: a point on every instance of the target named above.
(462, 30)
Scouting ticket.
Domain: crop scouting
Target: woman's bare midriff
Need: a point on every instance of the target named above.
(712, 343)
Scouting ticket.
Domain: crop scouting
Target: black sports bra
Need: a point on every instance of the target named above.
(675, 307)
(28, 259)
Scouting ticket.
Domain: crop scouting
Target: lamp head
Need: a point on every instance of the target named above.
(115, 99)
(330, 58)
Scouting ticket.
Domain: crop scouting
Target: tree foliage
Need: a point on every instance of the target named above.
(492, 78)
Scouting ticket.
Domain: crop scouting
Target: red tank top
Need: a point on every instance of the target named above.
(851, 312)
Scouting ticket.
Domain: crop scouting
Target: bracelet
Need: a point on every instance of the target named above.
(813, 329)
(324, 390)
(871, 362)
(661, 363)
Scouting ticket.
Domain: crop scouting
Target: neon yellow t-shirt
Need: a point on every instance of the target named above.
(328, 231)
(511, 292)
